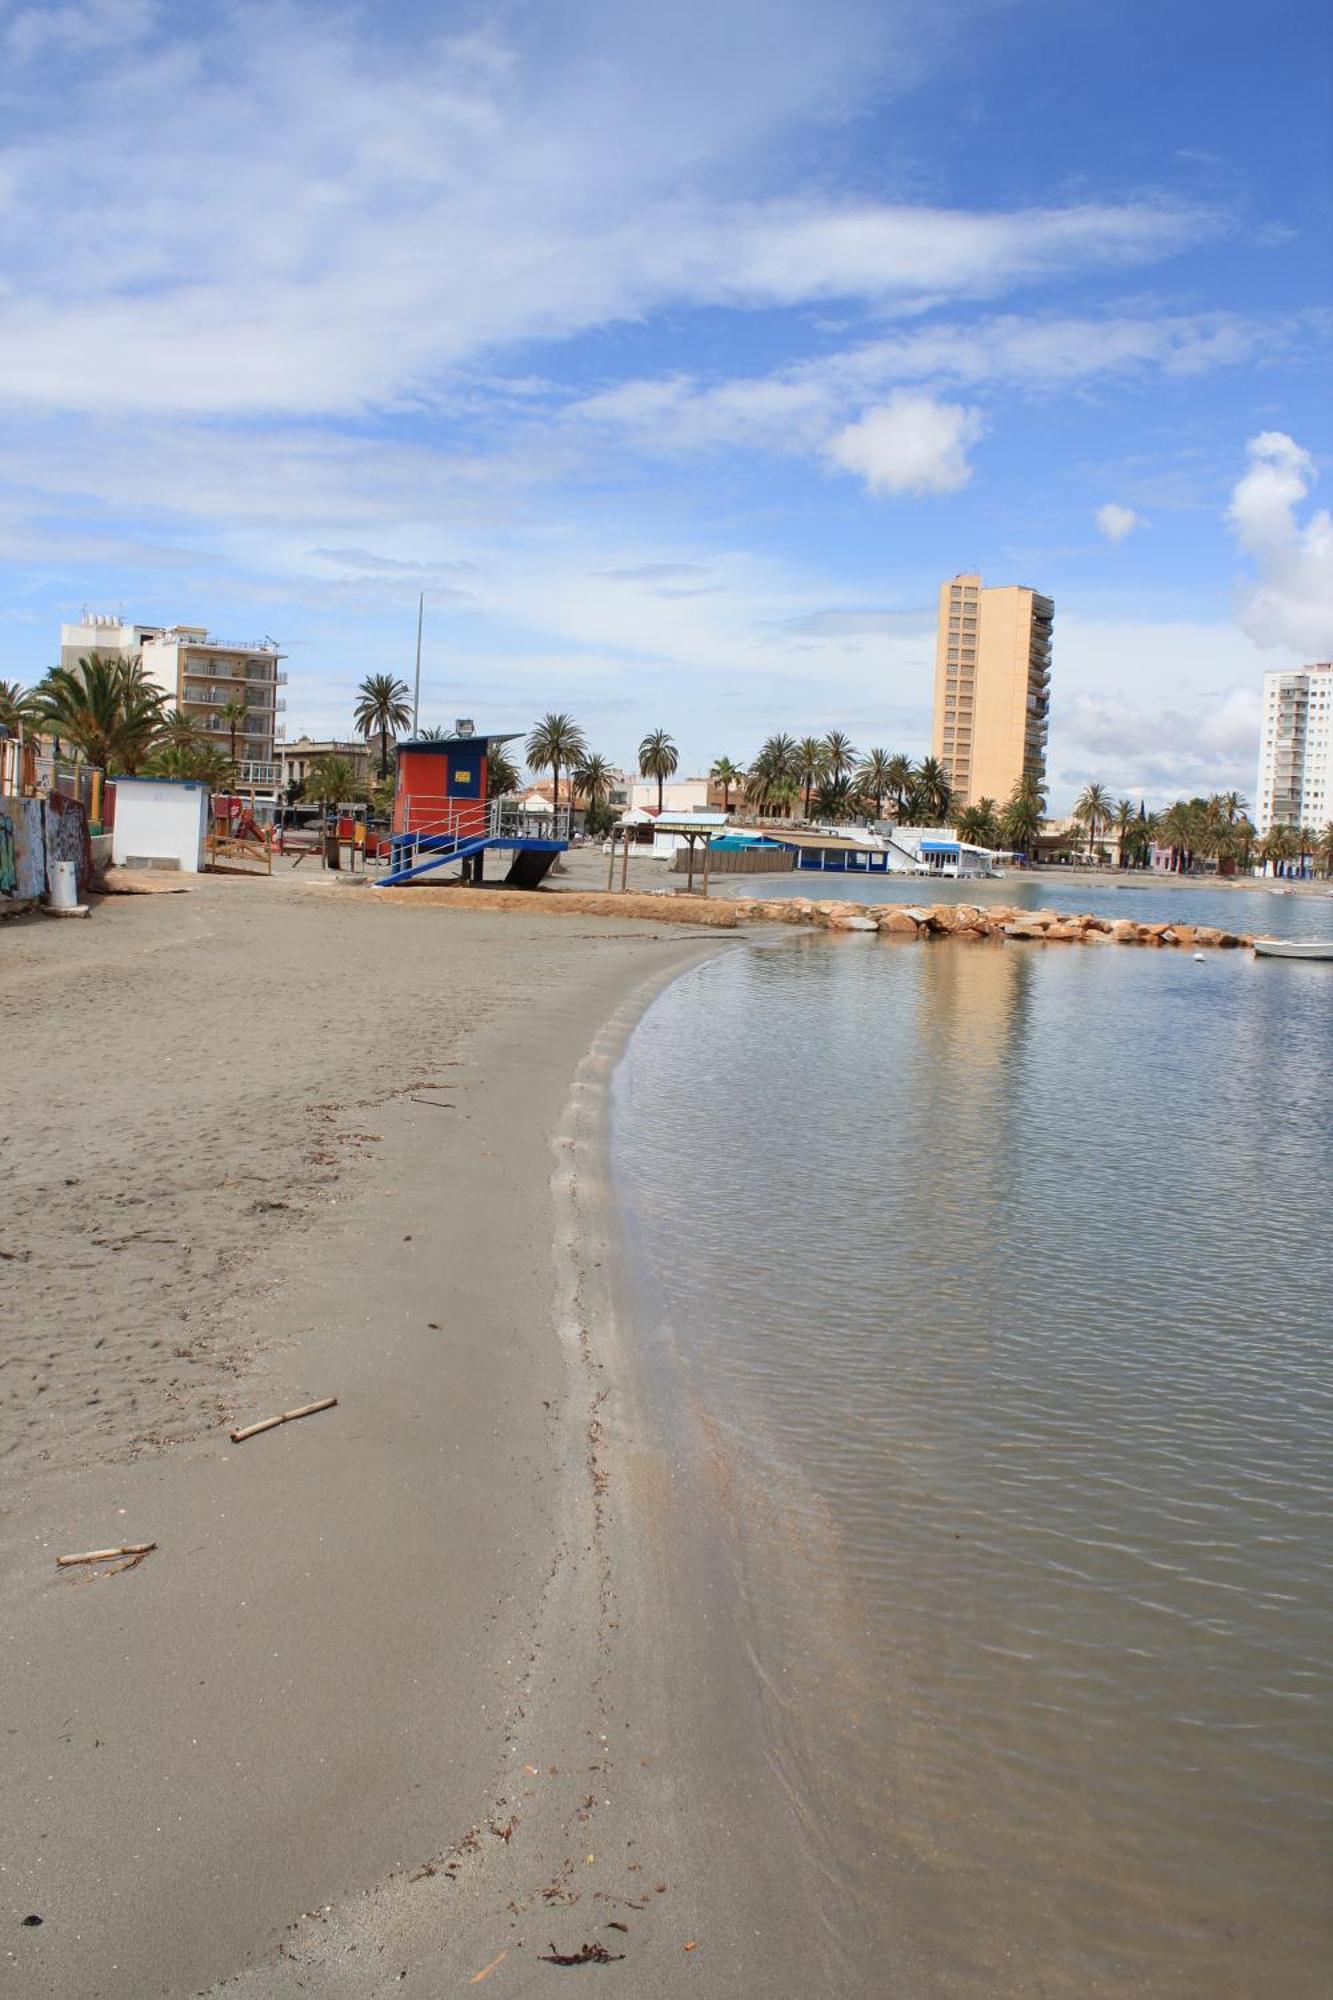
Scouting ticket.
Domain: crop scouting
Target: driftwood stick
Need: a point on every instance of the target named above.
(287, 1417)
(107, 1555)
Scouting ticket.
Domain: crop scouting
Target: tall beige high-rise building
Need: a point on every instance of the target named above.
(992, 686)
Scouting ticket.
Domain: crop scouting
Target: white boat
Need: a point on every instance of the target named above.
(1294, 947)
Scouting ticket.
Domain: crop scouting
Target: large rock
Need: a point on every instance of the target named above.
(1025, 928)
(140, 882)
(852, 921)
(1124, 931)
(899, 923)
(1064, 933)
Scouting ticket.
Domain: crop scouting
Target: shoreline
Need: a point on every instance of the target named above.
(313, 1684)
(663, 1827)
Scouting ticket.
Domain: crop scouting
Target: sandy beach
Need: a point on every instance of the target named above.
(428, 1683)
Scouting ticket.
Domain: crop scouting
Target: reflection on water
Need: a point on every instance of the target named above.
(1010, 1270)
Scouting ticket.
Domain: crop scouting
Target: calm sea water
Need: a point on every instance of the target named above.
(1005, 1275)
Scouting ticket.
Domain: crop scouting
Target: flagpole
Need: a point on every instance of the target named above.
(416, 696)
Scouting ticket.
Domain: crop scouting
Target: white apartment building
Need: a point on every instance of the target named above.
(104, 633)
(202, 676)
(1295, 786)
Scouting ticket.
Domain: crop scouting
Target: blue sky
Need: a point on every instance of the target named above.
(678, 354)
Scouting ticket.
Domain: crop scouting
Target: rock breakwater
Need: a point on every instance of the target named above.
(972, 921)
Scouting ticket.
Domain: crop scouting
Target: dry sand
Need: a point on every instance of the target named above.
(438, 1678)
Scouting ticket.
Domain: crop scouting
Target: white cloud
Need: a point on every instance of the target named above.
(1290, 601)
(911, 444)
(29, 33)
(1115, 521)
(357, 220)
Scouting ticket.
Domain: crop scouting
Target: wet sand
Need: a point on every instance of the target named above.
(434, 1680)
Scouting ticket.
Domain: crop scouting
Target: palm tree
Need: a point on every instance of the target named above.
(555, 745)
(1179, 829)
(1324, 849)
(1122, 824)
(726, 774)
(930, 800)
(207, 763)
(594, 778)
(382, 710)
(900, 780)
(19, 707)
(839, 756)
(435, 734)
(874, 778)
(658, 759)
(502, 773)
(233, 713)
(1277, 847)
(105, 709)
(1093, 809)
(332, 781)
(835, 798)
(1024, 811)
(771, 785)
(980, 824)
(810, 759)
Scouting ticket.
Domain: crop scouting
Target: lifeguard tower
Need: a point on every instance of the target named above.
(442, 815)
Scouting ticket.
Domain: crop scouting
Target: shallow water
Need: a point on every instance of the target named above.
(1005, 1276)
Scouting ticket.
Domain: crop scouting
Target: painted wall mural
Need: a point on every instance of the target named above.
(67, 838)
(22, 850)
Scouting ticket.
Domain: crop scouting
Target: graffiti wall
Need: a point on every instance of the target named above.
(67, 838)
(22, 850)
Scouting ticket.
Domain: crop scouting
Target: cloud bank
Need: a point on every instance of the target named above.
(1289, 602)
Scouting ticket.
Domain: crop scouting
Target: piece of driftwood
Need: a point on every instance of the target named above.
(107, 1555)
(287, 1417)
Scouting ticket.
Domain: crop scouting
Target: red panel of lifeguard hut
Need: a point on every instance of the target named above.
(441, 787)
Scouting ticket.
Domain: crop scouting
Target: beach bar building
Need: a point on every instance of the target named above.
(443, 815)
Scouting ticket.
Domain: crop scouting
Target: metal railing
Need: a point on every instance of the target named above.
(510, 819)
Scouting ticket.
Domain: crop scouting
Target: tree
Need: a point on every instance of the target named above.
(207, 763)
(835, 799)
(105, 709)
(930, 799)
(979, 825)
(808, 766)
(1023, 813)
(19, 707)
(555, 745)
(1277, 847)
(1093, 809)
(594, 778)
(658, 759)
(726, 774)
(502, 773)
(874, 777)
(1123, 821)
(771, 781)
(233, 713)
(839, 756)
(332, 781)
(1323, 852)
(382, 710)
(900, 780)
(1178, 830)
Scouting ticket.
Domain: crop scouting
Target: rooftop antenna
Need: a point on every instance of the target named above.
(416, 695)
